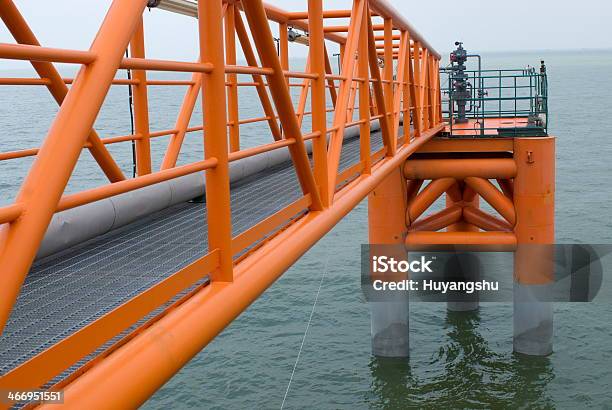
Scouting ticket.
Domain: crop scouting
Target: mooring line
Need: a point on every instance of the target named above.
(297, 359)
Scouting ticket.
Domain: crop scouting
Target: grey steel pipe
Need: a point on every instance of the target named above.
(74, 226)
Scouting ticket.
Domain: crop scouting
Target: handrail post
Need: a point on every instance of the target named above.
(210, 19)
(283, 46)
(232, 79)
(418, 92)
(141, 105)
(388, 76)
(318, 101)
(363, 71)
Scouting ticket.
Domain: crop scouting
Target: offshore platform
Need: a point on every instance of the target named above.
(106, 293)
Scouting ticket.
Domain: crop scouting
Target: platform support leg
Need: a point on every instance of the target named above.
(534, 190)
(387, 225)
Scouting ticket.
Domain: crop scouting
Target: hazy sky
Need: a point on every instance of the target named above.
(483, 25)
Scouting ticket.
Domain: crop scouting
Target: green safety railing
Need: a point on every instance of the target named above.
(502, 93)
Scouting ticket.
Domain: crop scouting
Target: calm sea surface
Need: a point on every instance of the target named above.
(457, 360)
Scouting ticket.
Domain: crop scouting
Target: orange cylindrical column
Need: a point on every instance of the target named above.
(534, 202)
(387, 210)
(387, 226)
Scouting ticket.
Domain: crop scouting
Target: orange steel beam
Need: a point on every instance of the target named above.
(210, 17)
(382, 108)
(488, 168)
(507, 186)
(330, 82)
(301, 108)
(22, 33)
(340, 115)
(424, 90)
(407, 96)
(399, 94)
(119, 380)
(141, 105)
(388, 74)
(415, 83)
(438, 220)
(303, 15)
(481, 241)
(47, 54)
(363, 71)
(352, 96)
(427, 197)
(484, 220)
(182, 122)
(262, 93)
(60, 151)
(232, 79)
(283, 38)
(461, 195)
(469, 145)
(494, 197)
(455, 192)
(316, 59)
(264, 42)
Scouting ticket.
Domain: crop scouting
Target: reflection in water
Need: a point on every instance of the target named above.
(465, 372)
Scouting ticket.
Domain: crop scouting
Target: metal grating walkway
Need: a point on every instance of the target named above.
(69, 290)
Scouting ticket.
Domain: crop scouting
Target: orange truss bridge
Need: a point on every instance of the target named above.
(111, 317)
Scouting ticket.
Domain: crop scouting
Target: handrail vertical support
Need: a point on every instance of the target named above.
(232, 79)
(218, 202)
(141, 104)
(318, 102)
(388, 75)
(364, 98)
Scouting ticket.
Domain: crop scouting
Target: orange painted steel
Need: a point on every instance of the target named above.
(484, 220)
(456, 145)
(210, 20)
(167, 345)
(439, 220)
(232, 79)
(427, 197)
(264, 42)
(328, 194)
(484, 241)
(42, 188)
(141, 104)
(489, 168)
(494, 197)
(534, 198)
(386, 205)
(465, 198)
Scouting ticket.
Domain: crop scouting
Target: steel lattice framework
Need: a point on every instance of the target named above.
(408, 88)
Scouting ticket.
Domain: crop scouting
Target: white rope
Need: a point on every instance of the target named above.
(307, 327)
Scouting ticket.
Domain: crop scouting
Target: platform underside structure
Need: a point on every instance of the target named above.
(109, 320)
